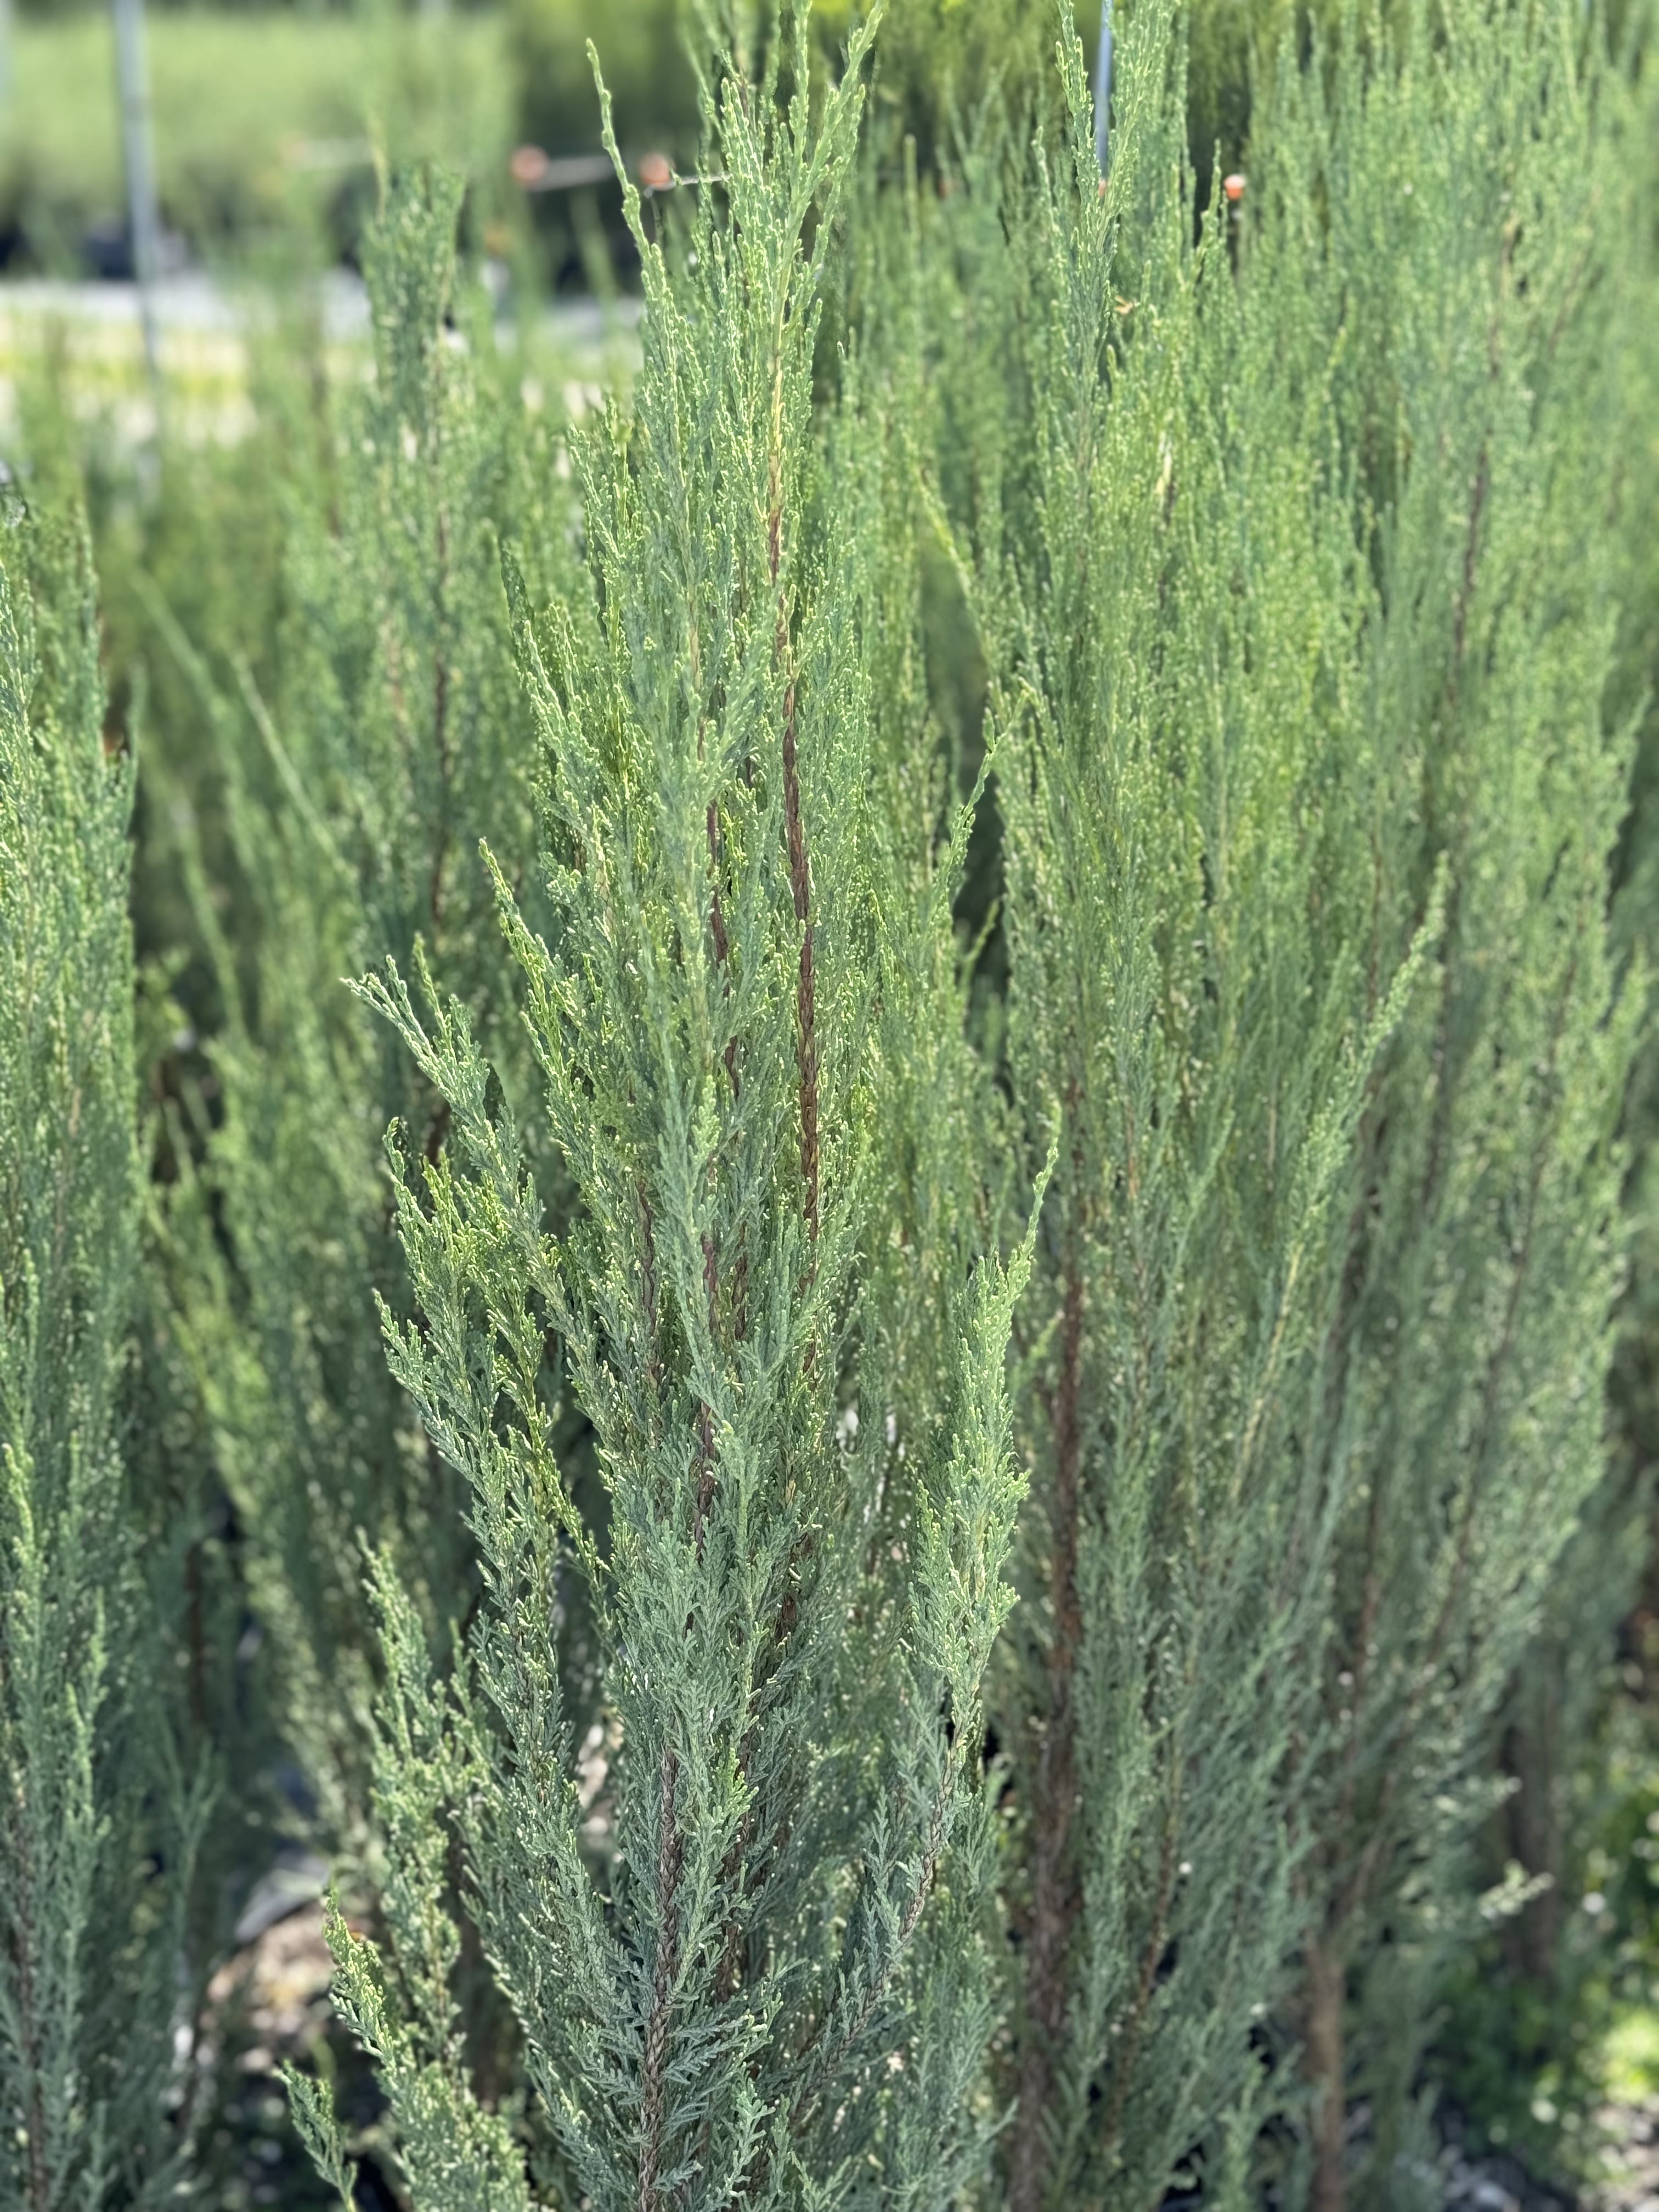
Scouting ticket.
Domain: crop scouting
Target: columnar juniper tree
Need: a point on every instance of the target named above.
(758, 1973)
(1446, 211)
(1557, 1740)
(98, 1820)
(1263, 694)
(1168, 594)
(353, 798)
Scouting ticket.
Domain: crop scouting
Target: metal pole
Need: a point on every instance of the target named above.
(138, 145)
(1104, 83)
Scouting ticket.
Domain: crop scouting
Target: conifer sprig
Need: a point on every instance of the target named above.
(869, 1691)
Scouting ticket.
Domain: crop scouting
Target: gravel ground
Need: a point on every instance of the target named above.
(1633, 2133)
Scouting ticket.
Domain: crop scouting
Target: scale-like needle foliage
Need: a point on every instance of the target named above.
(1041, 695)
(353, 798)
(1285, 550)
(757, 1972)
(1168, 597)
(99, 1821)
(1450, 209)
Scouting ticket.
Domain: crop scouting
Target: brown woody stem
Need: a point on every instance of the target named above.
(1054, 1902)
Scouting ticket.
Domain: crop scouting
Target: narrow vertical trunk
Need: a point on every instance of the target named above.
(1531, 1939)
(1323, 2058)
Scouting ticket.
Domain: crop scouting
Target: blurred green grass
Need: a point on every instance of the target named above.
(261, 122)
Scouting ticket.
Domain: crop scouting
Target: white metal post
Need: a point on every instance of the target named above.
(137, 146)
(1104, 83)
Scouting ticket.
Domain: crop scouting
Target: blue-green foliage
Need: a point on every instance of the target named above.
(1484, 1249)
(760, 1971)
(351, 800)
(1286, 556)
(978, 1352)
(101, 1812)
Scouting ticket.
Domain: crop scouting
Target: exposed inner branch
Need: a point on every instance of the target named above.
(1054, 1902)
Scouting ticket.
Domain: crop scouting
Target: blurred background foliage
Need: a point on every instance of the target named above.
(263, 122)
(265, 116)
